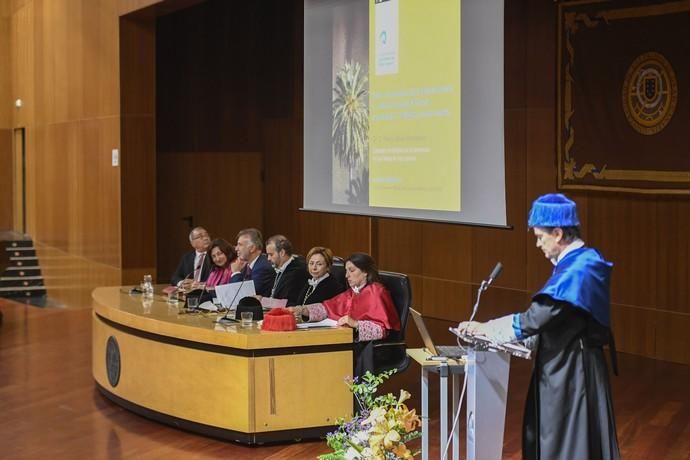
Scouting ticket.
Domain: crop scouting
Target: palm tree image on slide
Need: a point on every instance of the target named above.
(350, 131)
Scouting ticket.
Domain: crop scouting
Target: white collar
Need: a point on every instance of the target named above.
(577, 244)
(358, 289)
(287, 262)
(314, 282)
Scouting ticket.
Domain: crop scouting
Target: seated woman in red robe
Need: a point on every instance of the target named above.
(366, 307)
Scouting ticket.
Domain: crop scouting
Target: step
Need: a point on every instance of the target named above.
(22, 283)
(17, 244)
(23, 258)
(20, 278)
(24, 268)
(23, 294)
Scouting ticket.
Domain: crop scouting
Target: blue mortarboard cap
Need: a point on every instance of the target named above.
(553, 210)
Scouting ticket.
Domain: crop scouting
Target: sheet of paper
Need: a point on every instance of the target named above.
(231, 294)
(269, 302)
(208, 306)
(325, 323)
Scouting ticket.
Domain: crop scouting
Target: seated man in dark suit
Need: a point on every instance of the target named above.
(194, 266)
(257, 267)
(291, 271)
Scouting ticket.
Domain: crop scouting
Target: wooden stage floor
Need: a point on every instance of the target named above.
(50, 409)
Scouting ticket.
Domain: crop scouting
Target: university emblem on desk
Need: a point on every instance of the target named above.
(112, 361)
(650, 93)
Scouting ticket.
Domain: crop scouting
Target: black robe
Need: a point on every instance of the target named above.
(288, 284)
(326, 289)
(569, 413)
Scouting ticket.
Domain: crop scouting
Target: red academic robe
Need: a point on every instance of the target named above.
(373, 303)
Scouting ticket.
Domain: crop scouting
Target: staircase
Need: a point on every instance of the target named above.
(20, 279)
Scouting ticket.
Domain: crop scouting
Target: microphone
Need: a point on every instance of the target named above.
(484, 286)
(494, 274)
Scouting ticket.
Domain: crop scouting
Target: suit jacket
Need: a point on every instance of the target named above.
(185, 269)
(289, 283)
(262, 274)
(326, 289)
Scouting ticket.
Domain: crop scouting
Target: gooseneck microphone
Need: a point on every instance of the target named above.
(484, 286)
(494, 274)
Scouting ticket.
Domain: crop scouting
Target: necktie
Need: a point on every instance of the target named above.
(199, 265)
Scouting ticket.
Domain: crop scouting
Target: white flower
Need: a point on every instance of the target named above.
(361, 437)
(352, 454)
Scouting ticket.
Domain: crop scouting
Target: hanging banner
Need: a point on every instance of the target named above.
(624, 96)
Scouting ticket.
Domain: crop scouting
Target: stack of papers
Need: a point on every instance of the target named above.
(325, 323)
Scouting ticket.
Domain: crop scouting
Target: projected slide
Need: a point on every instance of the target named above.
(403, 109)
(414, 104)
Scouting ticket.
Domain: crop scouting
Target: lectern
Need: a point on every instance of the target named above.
(486, 366)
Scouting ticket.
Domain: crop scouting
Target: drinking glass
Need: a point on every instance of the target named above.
(246, 318)
(192, 303)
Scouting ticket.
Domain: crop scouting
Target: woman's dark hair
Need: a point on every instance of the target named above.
(225, 247)
(365, 263)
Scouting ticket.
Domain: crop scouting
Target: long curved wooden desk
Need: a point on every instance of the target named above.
(243, 385)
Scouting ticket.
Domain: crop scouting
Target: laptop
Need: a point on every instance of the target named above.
(444, 351)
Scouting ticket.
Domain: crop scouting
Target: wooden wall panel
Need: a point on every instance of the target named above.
(672, 253)
(6, 180)
(138, 148)
(6, 104)
(6, 101)
(21, 63)
(401, 245)
(218, 189)
(447, 252)
(138, 176)
(98, 225)
(282, 178)
(635, 329)
(626, 245)
(344, 234)
(65, 66)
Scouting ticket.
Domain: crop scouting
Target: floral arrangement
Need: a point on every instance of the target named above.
(381, 430)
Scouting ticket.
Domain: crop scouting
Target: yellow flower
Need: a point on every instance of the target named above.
(404, 396)
(410, 420)
(375, 440)
(401, 451)
(391, 438)
(375, 416)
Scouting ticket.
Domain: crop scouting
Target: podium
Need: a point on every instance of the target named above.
(487, 371)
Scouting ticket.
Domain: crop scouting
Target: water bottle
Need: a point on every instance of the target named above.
(147, 287)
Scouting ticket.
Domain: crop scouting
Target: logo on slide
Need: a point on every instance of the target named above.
(383, 37)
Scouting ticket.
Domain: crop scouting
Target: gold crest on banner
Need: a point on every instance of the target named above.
(650, 93)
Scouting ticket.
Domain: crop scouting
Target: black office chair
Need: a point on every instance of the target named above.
(391, 352)
(338, 270)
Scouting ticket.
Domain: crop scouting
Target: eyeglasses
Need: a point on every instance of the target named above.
(200, 235)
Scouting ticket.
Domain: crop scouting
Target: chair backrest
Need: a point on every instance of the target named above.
(399, 287)
(338, 270)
